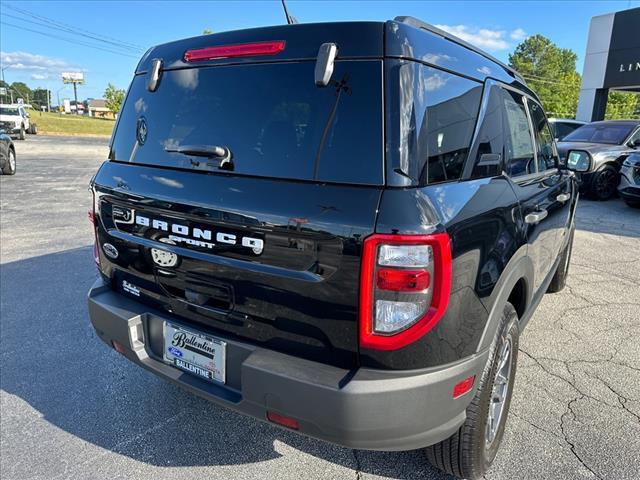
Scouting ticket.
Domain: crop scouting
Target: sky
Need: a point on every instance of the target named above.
(41, 39)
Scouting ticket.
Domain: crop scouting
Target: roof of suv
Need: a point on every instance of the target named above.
(402, 38)
(629, 123)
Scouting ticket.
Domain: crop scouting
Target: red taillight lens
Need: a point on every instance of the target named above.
(238, 50)
(91, 213)
(405, 283)
(463, 387)
(283, 420)
(402, 280)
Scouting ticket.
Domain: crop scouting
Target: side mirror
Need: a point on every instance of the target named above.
(635, 143)
(579, 161)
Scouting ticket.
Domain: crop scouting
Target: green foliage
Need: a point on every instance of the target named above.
(550, 71)
(622, 105)
(207, 31)
(81, 125)
(113, 98)
(39, 98)
(21, 90)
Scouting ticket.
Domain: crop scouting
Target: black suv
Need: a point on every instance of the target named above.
(339, 228)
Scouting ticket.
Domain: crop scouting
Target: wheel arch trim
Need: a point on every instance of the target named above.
(519, 268)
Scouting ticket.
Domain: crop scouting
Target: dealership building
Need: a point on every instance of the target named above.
(612, 61)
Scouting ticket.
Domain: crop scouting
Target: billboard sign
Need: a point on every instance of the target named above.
(73, 77)
(623, 62)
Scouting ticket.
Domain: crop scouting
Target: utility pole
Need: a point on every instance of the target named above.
(75, 96)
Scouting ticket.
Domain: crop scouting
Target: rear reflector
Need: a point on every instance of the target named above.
(282, 420)
(238, 50)
(463, 387)
(118, 347)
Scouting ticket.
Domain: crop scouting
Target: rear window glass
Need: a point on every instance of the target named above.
(613, 134)
(562, 129)
(272, 117)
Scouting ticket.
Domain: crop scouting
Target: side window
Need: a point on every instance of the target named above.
(635, 139)
(544, 139)
(433, 117)
(491, 134)
(519, 158)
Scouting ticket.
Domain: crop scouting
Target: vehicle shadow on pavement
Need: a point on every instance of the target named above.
(52, 360)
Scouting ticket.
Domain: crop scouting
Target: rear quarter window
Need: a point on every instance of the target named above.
(432, 117)
(274, 119)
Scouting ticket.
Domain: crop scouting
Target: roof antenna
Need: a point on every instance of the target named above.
(290, 19)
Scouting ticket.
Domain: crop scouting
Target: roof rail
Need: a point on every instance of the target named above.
(417, 23)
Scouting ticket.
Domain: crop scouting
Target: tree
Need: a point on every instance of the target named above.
(207, 31)
(622, 105)
(114, 98)
(40, 98)
(550, 71)
(21, 90)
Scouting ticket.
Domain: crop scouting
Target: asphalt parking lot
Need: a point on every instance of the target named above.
(73, 409)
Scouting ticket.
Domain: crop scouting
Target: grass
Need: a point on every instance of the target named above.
(80, 125)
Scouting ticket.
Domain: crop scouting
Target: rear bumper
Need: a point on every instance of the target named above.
(363, 408)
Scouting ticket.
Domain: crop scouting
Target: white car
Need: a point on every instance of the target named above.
(14, 119)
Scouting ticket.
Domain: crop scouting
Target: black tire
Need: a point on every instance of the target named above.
(33, 129)
(605, 183)
(559, 279)
(632, 203)
(22, 135)
(10, 167)
(468, 452)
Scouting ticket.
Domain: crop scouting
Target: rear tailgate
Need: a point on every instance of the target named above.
(299, 295)
(269, 252)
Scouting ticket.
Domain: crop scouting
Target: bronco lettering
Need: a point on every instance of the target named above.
(196, 236)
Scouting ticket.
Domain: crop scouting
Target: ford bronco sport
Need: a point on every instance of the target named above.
(338, 228)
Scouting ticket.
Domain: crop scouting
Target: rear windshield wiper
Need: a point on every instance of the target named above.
(221, 154)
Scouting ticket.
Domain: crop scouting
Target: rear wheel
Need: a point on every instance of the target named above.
(10, 167)
(605, 183)
(33, 129)
(469, 452)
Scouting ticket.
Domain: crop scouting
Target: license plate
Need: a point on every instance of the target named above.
(195, 352)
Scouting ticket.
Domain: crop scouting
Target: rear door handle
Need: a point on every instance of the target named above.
(563, 197)
(536, 217)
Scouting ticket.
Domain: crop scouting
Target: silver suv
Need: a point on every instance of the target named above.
(629, 188)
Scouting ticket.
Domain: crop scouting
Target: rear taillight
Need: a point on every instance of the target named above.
(405, 283)
(237, 50)
(92, 218)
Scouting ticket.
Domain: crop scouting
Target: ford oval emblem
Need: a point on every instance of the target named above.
(175, 352)
(109, 250)
(141, 130)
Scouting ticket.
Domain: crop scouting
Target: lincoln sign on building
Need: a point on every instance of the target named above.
(612, 61)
